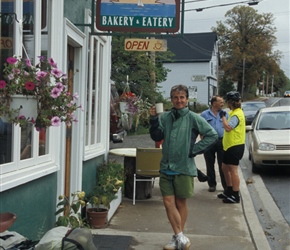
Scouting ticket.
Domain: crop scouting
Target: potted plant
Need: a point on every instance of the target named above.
(70, 209)
(44, 84)
(110, 179)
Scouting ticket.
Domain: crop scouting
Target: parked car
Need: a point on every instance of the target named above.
(250, 109)
(287, 93)
(269, 138)
(117, 130)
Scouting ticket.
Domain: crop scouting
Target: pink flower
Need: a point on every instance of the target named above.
(56, 72)
(10, 76)
(76, 96)
(41, 58)
(41, 74)
(21, 117)
(60, 86)
(29, 86)
(52, 63)
(2, 84)
(16, 71)
(11, 60)
(55, 121)
(55, 92)
(27, 62)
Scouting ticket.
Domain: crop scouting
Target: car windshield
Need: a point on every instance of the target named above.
(252, 106)
(274, 121)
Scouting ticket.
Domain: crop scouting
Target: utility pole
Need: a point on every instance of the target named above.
(243, 80)
(272, 85)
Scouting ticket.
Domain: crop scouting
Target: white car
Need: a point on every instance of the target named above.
(269, 138)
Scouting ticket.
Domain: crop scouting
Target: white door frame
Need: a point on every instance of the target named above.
(76, 38)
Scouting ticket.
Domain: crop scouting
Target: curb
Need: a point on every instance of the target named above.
(256, 231)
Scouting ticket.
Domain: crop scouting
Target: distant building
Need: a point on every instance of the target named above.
(195, 65)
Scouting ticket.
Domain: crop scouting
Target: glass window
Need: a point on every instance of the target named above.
(8, 20)
(95, 93)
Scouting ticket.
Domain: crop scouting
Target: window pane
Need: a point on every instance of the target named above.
(28, 33)
(94, 94)
(5, 142)
(43, 141)
(8, 19)
(99, 89)
(26, 141)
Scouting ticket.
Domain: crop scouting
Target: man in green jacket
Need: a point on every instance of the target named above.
(179, 129)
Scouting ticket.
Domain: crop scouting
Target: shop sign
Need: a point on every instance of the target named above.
(198, 78)
(145, 45)
(6, 43)
(138, 16)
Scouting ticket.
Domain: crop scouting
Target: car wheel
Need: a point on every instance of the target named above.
(255, 169)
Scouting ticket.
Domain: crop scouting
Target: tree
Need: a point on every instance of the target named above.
(144, 69)
(246, 40)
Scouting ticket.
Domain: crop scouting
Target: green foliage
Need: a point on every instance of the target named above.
(144, 69)
(110, 177)
(247, 35)
(71, 210)
(225, 86)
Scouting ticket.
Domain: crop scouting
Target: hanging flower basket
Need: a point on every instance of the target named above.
(45, 84)
(123, 107)
(27, 105)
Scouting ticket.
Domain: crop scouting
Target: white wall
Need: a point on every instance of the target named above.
(181, 73)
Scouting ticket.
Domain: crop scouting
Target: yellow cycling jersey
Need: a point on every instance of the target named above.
(237, 135)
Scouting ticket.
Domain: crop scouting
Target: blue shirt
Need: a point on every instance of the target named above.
(214, 121)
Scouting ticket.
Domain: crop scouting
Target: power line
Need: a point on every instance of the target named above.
(252, 2)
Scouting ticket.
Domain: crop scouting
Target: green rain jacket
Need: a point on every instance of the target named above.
(179, 130)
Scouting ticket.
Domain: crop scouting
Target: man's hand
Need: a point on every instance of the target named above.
(222, 113)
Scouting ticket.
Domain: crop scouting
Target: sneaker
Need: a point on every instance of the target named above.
(222, 196)
(172, 245)
(231, 199)
(183, 243)
(225, 194)
(212, 189)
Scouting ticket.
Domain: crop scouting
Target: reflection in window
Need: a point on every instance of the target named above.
(94, 93)
(43, 141)
(26, 141)
(8, 20)
(5, 141)
(28, 32)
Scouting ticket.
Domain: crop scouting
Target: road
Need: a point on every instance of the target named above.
(270, 193)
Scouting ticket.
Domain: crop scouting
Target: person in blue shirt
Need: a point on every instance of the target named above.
(212, 116)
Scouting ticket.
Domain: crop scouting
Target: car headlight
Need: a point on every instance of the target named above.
(267, 146)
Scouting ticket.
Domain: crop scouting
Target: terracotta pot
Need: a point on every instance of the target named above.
(97, 219)
(6, 220)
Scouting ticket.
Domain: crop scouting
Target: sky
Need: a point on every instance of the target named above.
(198, 22)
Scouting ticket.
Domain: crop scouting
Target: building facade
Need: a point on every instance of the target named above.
(61, 160)
(194, 64)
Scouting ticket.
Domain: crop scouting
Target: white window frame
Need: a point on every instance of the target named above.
(18, 171)
(98, 145)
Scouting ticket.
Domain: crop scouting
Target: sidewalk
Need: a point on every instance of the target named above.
(211, 224)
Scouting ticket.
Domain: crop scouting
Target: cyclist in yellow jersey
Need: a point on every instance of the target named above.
(233, 145)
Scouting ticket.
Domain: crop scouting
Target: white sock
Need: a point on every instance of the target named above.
(179, 234)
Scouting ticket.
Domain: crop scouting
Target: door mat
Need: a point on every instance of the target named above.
(112, 242)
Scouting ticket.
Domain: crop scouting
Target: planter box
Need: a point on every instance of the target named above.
(114, 204)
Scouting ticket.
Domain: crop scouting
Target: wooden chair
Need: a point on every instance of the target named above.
(147, 165)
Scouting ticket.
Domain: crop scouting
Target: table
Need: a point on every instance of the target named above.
(143, 189)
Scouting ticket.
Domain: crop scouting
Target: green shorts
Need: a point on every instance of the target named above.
(179, 185)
